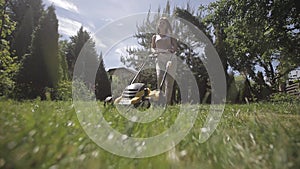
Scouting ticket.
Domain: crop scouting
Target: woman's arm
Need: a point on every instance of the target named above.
(174, 45)
(153, 45)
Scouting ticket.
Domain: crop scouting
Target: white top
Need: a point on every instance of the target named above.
(163, 42)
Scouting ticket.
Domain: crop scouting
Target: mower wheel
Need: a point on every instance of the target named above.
(143, 104)
(146, 103)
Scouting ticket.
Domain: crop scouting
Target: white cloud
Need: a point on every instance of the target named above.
(67, 26)
(65, 5)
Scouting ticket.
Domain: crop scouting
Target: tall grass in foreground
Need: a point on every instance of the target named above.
(48, 135)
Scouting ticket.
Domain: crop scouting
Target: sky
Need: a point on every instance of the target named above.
(96, 16)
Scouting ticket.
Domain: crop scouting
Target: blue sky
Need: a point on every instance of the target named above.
(96, 14)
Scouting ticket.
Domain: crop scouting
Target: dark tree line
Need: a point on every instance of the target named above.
(35, 62)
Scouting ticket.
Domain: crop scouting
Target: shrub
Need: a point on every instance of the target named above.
(63, 91)
(284, 97)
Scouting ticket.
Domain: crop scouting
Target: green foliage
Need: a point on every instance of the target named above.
(246, 95)
(87, 63)
(48, 135)
(26, 13)
(74, 47)
(232, 91)
(63, 91)
(19, 9)
(8, 68)
(23, 35)
(63, 66)
(8, 64)
(258, 33)
(90, 68)
(40, 69)
(82, 91)
(284, 97)
(102, 83)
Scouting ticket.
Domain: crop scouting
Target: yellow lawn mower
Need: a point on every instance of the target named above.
(139, 95)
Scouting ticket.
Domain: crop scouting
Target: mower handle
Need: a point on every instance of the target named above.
(153, 55)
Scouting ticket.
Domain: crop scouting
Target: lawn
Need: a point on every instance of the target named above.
(44, 134)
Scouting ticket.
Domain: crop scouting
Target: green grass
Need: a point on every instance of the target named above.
(48, 135)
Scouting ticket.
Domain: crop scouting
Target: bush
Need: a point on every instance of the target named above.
(83, 91)
(63, 91)
(284, 97)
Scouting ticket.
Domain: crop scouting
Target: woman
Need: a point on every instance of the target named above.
(165, 46)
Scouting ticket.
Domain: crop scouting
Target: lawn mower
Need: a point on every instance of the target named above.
(139, 95)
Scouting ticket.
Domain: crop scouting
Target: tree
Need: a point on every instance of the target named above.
(19, 8)
(22, 40)
(26, 13)
(40, 68)
(90, 67)
(258, 34)
(63, 70)
(8, 64)
(103, 87)
(74, 48)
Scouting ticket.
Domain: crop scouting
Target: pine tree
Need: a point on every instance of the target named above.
(89, 65)
(22, 40)
(103, 87)
(19, 9)
(75, 46)
(63, 90)
(40, 68)
(90, 70)
(27, 14)
(63, 70)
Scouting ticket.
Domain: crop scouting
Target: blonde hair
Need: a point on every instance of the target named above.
(169, 27)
